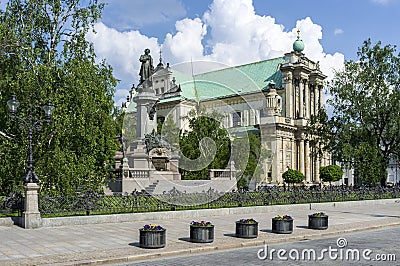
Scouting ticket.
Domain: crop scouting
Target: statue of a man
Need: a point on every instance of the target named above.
(146, 69)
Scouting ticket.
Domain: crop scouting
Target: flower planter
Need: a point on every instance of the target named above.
(152, 239)
(246, 230)
(318, 222)
(202, 234)
(280, 226)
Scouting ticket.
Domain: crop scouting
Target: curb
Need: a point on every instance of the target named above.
(141, 257)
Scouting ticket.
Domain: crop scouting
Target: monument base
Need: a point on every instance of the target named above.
(31, 217)
(31, 220)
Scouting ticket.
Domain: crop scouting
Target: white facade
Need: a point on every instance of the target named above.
(280, 113)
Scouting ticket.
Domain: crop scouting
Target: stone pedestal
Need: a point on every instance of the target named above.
(31, 217)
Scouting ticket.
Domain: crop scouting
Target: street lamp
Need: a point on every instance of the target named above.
(31, 124)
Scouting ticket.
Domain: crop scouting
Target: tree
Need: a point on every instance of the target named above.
(170, 131)
(45, 56)
(330, 173)
(363, 130)
(206, 145)
(248, 156)
(292, 176)
(242, 183)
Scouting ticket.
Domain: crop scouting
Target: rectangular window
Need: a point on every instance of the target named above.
(237, 119)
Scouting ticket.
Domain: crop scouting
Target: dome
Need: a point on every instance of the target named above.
(298, 45)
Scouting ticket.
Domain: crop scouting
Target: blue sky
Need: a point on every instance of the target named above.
(234, 32)
(345, 23)
(332, 30)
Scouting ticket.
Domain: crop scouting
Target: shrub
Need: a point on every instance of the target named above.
(330, 173)
(292, 176)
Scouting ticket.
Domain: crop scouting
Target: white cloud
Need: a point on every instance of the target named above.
(239, 36)
(338, 31)
(186, 43)
(236, 35)
(122, 51)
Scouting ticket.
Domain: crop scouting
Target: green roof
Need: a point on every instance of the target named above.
(227, 82)
(231, 81)
(171, 99)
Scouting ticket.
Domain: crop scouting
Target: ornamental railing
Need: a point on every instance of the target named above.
(220, 173)
(12, 204)
(91, 202)
(139, 173)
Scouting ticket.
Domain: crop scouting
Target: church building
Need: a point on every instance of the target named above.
(273, 98)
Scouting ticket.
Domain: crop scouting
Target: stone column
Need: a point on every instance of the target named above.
(276, 167)
(283, 154)
(31, 217)
(320, 96)
(252, 117)
(293, 155)
(289, 96)
(301, 156)
(306, 99)
(317, 167)
(307, 160)
(301, 102)
(245, 118)
(145, 100)
(316, 93)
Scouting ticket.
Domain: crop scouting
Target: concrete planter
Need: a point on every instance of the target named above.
(246, 230)
(152, 239)
(202, 234)
(318, 222)
(282, 226)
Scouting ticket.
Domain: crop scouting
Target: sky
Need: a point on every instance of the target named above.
(234, 32)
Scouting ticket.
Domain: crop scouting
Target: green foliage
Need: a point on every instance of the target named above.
(206, 144)
(363, 130)
(170, 131)
(45, 56)
(330, 173)
(129, 129)
(292, 176)
(248, 156)
(242, 183)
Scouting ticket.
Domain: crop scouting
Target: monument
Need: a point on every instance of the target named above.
(149, 158)
(148, 161)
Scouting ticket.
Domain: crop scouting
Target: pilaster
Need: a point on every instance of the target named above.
(301, 99)
(317, 167)
(306, 99)
(301, 156)
(307, 161)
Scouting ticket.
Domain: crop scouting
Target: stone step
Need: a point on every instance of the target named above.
(150, 189)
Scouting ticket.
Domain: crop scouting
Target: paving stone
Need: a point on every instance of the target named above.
(109, 243)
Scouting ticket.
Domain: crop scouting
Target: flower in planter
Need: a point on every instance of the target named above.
(201, 224)
(247, 221)
(152, 227)
(319, 214)
(284, 217)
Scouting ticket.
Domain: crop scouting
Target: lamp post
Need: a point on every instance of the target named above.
(31, 124)
(31, 216)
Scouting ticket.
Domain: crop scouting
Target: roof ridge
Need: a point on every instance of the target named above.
(247, 64)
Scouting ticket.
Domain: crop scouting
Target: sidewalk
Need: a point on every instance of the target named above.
(118, 242)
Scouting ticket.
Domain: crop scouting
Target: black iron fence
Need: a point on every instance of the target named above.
(12, 204)
(91, 202)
